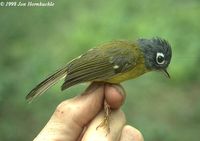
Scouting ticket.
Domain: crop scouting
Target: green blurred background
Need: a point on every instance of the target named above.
(36, 41)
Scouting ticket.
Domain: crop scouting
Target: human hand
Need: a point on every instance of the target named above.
(76, 119)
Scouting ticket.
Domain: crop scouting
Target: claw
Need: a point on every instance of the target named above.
(105, 123)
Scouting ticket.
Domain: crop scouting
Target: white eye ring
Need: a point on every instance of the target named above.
(160, 58)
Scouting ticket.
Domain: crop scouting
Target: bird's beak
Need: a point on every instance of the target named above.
(166, 73)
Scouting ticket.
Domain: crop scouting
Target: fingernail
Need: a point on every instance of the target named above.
(119, 88)
(121, 91)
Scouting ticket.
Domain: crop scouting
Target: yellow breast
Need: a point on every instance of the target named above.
(138, 70)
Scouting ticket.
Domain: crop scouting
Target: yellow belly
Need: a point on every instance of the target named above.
(135, 72)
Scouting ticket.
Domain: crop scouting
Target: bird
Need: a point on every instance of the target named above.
(111, 62)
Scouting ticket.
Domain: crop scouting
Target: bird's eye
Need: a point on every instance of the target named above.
(160, 58)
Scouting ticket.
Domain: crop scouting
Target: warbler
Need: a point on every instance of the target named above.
(112, 62)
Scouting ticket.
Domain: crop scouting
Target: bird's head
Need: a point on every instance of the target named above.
(157, 54)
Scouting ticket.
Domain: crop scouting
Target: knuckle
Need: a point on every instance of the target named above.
(64, 107)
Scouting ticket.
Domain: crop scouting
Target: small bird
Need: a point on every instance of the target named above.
(112, 62)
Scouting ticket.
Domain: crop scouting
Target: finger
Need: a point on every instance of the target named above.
(115, 95)
(72, 115)
(117, 121)
(130, 133)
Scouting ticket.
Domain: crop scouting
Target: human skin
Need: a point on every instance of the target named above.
(77, 119)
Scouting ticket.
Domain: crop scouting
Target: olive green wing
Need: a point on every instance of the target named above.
(98, 65)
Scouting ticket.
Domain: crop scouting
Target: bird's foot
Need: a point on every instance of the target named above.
(106, 121)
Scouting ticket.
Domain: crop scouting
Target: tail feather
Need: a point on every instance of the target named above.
(46, 84)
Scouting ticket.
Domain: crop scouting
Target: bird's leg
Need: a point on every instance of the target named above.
(106, 121)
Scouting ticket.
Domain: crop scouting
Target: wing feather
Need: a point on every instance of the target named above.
(100, 64)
